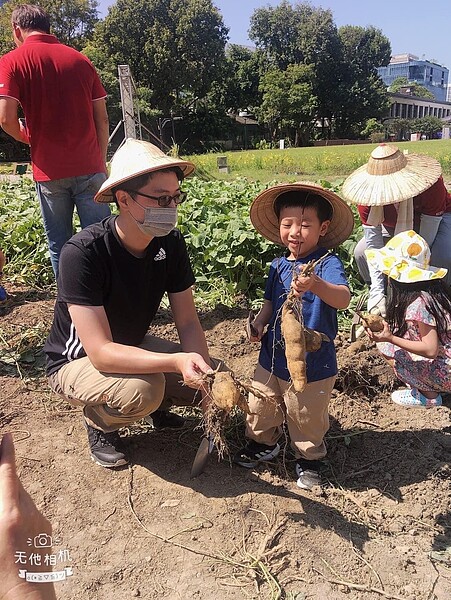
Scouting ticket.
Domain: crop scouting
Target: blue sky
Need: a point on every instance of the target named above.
(417, 27)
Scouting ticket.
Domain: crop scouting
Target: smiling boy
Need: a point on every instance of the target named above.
(308, 220)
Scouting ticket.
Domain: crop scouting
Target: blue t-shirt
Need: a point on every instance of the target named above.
(317, 315)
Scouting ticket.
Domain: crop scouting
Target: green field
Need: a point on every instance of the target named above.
(330, 163)
(230, 259)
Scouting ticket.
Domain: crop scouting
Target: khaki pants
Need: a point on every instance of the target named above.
(306, 414)
(112, 400)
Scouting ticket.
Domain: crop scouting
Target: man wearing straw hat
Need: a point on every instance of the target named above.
(397, 192)
(113, 276)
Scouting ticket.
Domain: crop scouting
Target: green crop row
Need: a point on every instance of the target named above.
(230, 259)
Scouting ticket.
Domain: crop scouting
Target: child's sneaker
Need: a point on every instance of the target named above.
(253, 453)
(3, 294)
(413, 398)
(308, 473)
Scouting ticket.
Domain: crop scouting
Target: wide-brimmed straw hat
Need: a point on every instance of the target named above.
(405, 258)
(390, 176)
(134, 158)
(265, 220)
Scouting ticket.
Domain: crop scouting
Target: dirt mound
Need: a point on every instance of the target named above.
(380, 527)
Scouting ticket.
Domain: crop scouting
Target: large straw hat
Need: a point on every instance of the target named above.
(135, 158)
(405, 258)
(390, 176)
(265, 220)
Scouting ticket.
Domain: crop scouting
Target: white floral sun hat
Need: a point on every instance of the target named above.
(405, 258)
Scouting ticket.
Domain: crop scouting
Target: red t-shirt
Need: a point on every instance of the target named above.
(56, 86)
(435, 201)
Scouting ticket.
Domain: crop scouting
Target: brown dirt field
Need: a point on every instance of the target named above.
(379, 528)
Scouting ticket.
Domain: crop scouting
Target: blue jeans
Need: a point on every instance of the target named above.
(58, 198)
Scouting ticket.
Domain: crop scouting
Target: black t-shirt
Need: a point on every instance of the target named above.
(96, 270)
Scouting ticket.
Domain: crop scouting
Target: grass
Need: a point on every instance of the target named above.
(325, 162)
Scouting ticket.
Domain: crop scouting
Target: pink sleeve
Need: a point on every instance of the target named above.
(417, 311)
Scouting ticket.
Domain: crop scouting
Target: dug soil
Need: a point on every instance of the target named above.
(380, 527)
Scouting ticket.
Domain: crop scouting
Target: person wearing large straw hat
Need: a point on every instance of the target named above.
(417, 335)
(308, 221)
(395, 192)
(113, 276)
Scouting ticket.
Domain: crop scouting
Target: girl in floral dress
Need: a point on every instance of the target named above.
(417, 337)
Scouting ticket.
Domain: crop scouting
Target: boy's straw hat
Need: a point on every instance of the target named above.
(390, 176)
(265, 221)
(134, 158)
(405, 258)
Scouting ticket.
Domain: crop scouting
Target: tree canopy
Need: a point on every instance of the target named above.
(415, 88)
(175, 48)
(302, 73)
(72, 21)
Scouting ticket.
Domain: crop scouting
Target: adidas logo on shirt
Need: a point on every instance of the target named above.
(161, 254)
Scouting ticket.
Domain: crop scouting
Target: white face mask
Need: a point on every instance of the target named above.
(158, 221)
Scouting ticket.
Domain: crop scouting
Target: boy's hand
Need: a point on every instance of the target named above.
(254, 328)
(301, 284)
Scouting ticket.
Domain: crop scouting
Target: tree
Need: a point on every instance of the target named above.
(240, 85)
(363, 93)
(288, 101)
(401, 128)
(415, 89)
(346, 84)
(72, 21)
(274, 30)
(175, 48)
(429, 126)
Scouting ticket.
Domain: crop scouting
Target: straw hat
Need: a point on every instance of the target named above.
(405, 258)
(135, 158)
(265, 220)
(390, 176)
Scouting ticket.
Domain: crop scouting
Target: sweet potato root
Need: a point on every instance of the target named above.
(299, 340)
(225, 393)
(373, 322)
(314, 339)
(293, 334)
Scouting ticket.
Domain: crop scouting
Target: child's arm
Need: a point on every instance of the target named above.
(428, 345)
(261, 320)
(336, 296)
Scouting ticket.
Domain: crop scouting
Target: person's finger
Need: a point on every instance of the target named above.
(9, 482)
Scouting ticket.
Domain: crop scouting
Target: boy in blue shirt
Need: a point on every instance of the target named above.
(308, 220)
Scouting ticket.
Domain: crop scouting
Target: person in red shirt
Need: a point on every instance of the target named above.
(66, 123)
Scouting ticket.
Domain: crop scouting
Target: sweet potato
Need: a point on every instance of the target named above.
(314, 339)
(225, 392)
(298, 340)
(373, 322)
(293, 334)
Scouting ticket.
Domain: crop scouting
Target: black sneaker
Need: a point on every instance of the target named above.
(163, 419)
(253, 453)
(308, 473)
(104, 448)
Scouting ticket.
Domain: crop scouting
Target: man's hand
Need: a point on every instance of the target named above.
(20, 520)
(193, 368)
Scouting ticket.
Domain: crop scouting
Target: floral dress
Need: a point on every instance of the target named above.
(425, 374)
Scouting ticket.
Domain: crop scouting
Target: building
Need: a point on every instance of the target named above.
(405, 106)
(431, 75)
